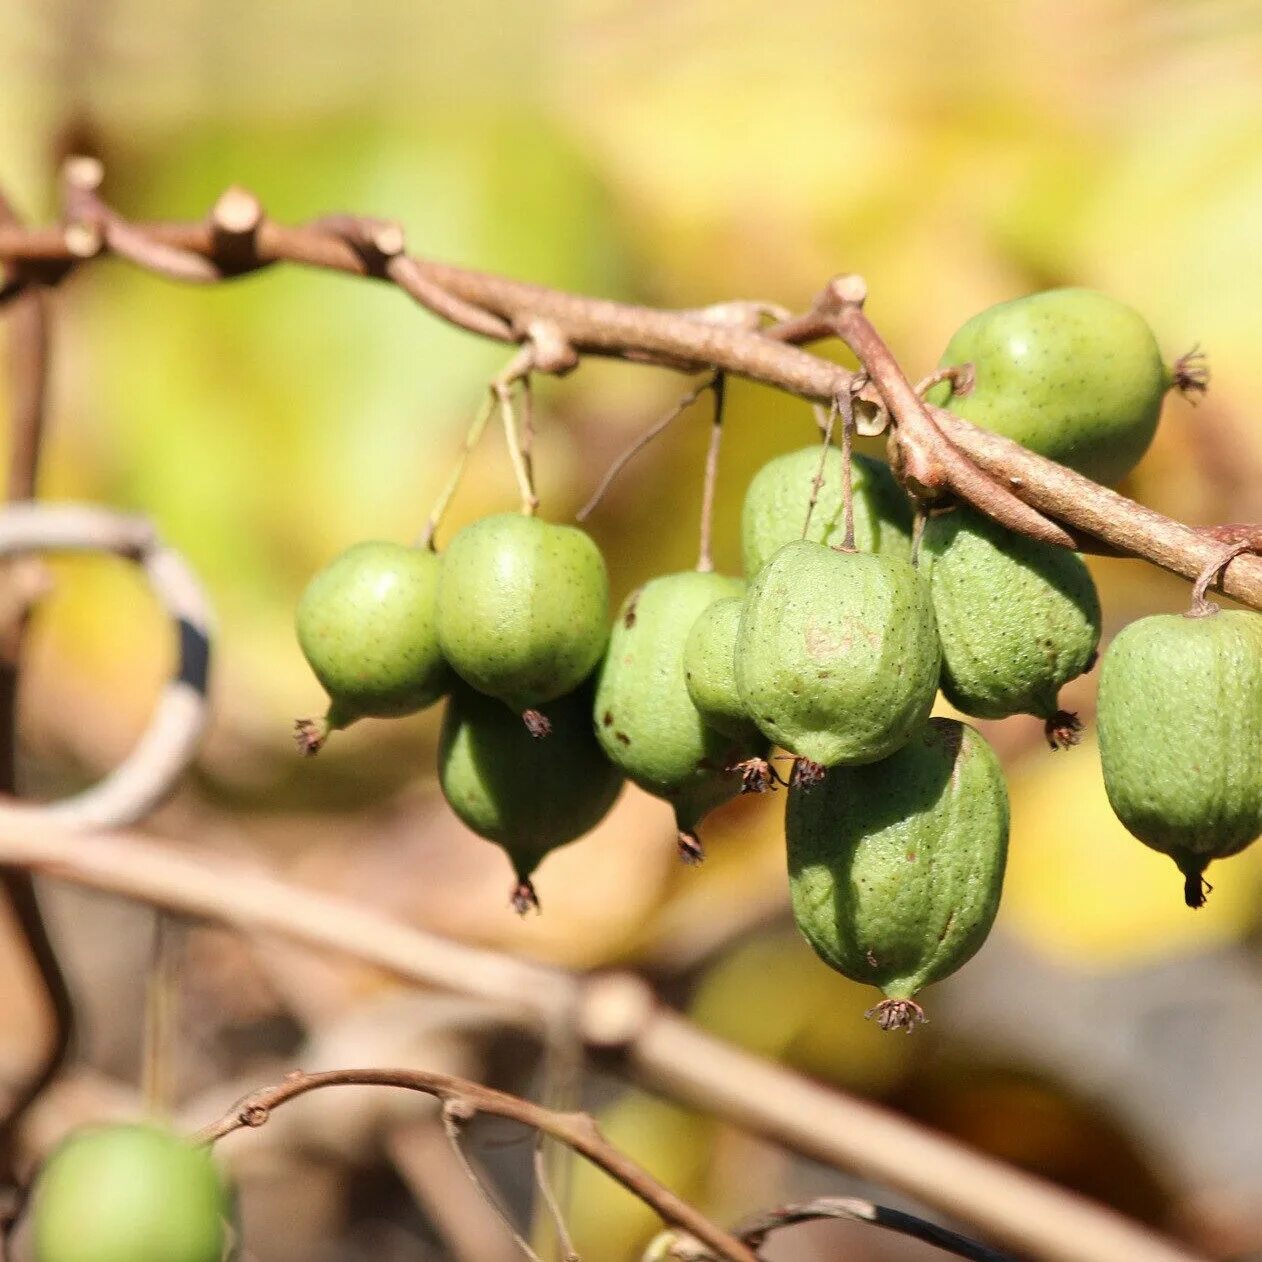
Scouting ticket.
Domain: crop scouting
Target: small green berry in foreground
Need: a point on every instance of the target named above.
(128, 1193)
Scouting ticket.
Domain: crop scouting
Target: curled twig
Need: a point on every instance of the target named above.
(463, 1100)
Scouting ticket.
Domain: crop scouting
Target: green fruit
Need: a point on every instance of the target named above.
(523, 607)
(777, 498)
(527, 796)
(1070, 373)
(837, 655)
(366, 625)
(128, 1194)
(710, 670)
(895, 868)
(1018, 619)
(645, 719)
(1180, 716)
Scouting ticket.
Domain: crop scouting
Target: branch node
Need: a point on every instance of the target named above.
(83, 173)
(237, 212)
(551, 351)
(84, 240)
(613, 1009)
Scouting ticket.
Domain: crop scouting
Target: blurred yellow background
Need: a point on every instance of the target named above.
(676, 154)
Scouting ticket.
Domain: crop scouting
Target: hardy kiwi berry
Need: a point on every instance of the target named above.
(523, 609)
(710, 670)
(527, 796)
(1017, 618)
(128, 1193)
(776, 502)
(366, 625)
(837, 655)
(1180, 716)
(1070, 373)
(895, 868)
(645, 719)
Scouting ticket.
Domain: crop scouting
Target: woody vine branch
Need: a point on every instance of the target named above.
(936, 453)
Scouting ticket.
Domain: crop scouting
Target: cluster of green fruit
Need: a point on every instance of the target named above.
(833, 651)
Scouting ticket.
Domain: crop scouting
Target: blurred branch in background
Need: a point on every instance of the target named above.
(621, 1024)
(29, 340)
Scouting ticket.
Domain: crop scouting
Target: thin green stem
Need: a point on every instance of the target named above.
(472, 436)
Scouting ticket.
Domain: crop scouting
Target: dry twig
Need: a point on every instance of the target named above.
(618, 1019)
(462, 1100)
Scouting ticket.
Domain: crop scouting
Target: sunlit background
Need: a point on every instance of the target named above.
(676, 154)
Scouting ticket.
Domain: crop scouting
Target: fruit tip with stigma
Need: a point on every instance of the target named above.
(537, 723)
(897, 1014)
(1196, 888)
(1063, 730)
(691, 851)
(524, 899)
(310, 735)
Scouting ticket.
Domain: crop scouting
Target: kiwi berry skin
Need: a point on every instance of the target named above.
(526, 795)
(366, 625)
(776, 501)
(710, 670)
(1018, 618)
(837, 656)
(1180, 718)
(645, 720)
(1070, 373)
(523, 608)
(896, 867)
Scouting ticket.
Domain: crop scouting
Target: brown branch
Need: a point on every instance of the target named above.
(925, 456)
(504, 309)
(29, 352)
(756, 1229)
(618, 1018)
(463, 1099)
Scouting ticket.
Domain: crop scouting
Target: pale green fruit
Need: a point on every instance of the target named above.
(896, 867)
(1070, 373)
(1180, 716)
(523, 608)
(710, 670)
(776, 501)
(1017, 618)
(646, 721)
(837, 655)
(128, 1193)
(526, 795)
(366, 625)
